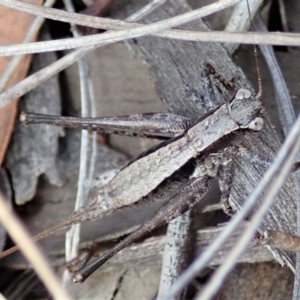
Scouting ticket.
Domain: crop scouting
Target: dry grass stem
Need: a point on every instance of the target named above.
(39, 262)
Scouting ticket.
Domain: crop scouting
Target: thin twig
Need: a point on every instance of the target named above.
(93, 156)
(283, 100)
(31, 251)
(115, 36)
(98, 22)
(275, 38)
(283, 15)
(139, 31)
(73, 234)
(34, 80)
(144, 11)
(88, 2)
(2, 297)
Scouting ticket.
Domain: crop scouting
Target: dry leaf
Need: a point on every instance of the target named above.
(13, 28)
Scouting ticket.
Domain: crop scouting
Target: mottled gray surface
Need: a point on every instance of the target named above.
(120, 80)
(33, 149)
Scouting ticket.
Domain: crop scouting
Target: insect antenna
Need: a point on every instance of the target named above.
(259, 94)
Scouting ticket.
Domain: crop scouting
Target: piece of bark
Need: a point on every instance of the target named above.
(292, 12)
(247, 282)
(119, 284)
(178, 251)
(33, 149)
(175, 67)
(148, 254)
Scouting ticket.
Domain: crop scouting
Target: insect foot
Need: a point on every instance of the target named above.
(226, 207)
(244, 109)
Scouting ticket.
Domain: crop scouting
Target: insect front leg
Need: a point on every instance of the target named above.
(209, 96)
(225, 177)
(272, 238)
(208, 100)
(226, 170)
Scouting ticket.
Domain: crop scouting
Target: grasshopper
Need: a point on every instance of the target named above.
(228, 115)
(172, 88)
(131, 184)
